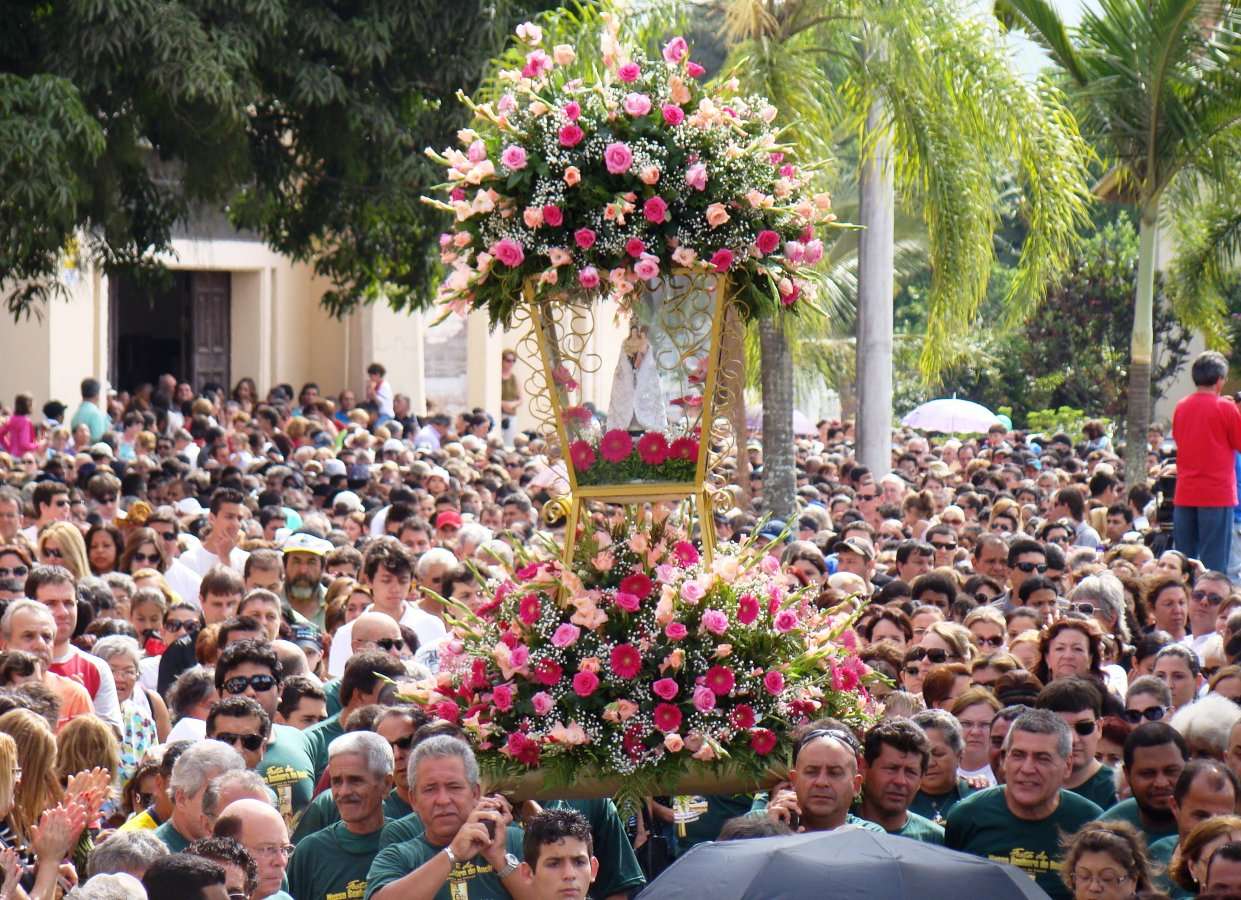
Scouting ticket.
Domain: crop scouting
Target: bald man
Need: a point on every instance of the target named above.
(368, 630)
(261, 830)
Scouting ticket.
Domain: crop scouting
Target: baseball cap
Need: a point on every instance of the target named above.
(448, 517)
(189, 507)
(306, 543)
(307, 636)
(438, 472)
(771, 529)
(101, 449)
(334, 468)
(347, 500)
(859, 545)
(392, 445)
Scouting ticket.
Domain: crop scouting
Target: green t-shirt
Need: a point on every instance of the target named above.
(403, 829)
(709, 814)
(316, 739)
(1161, 852)
(983, 825)
(172, 838)
(922, 829)
(1127, 811)
(619, 872)
(322, 812)
(287, 769)
(395, 861)
(1099, 788)
(331, 693)
(332, 864)
(937, 806)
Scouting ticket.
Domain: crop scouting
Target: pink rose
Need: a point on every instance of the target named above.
(647, 267)
(637, 105)
(773, 682)
(717, 215)
(673, 114)
(676, 49)
(571, 135)
(715, 621)
(766, 242)
(572, 176)
(694, 70)
(502, 697)
(794, 251)
(585, 683)
(629, 73)
(676, 631)
(627, 602)
(786, 620)
(813, 251)
(572, 110)
(617, 157)
(674, 743)
(649, 175)
(532, 216)
(566, 635)
(589, 279)
(655, 209)
(704, 699)
(692, 592)
(722, 259)
(513, 157)
(553, 215)
(509, 252)
(635, 247)
(696, 176)
(665, 688)
(543, 703)
(584, 238)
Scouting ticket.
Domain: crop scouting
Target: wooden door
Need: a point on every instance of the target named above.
(210, 297)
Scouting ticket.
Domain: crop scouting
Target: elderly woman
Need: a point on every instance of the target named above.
(143, 714)
(941, 787)
(1106, 861)
(1071, 647)
(1206, 724)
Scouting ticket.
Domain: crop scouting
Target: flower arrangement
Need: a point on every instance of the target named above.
(642, 661)
(587, 183)
(619, 457)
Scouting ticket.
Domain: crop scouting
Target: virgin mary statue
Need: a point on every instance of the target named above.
(637, 402)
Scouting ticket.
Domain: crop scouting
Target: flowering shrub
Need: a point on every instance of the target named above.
(589, 183)
(643, 658)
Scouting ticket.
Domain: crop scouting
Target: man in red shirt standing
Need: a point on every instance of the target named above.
(1207, 431)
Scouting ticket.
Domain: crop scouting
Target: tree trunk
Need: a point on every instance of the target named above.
(779, 465)
(1141, 350)
(732, 382)
(876, 250)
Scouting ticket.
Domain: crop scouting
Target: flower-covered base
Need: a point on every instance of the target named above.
(701, 779)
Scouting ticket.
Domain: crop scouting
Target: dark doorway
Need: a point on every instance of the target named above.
(179, 324)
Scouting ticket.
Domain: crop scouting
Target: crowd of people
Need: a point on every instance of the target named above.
(213, 600)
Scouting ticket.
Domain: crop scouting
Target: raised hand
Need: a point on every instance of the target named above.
(58, 830)
(11, 867)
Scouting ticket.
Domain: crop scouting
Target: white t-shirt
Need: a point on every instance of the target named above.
(148, 673)
(184, 580)
(188, 729)
(201, 560)
(984, 772)
(383, 399)
(428, 628)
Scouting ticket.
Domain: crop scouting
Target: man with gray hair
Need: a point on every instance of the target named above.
(466, 841)
(191, 775)
(1021, 822)
(334, 861)
(233, 785)
(130, 852)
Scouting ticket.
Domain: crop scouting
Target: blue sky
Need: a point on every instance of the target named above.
(1029, 57)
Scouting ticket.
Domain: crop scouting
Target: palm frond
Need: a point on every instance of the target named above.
(1041, 23)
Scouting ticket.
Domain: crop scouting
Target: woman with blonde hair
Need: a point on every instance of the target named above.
(1188, 868)
(85, 744)
(61, 544)
(953, 639)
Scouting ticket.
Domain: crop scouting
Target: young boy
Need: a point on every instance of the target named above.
(560, 862)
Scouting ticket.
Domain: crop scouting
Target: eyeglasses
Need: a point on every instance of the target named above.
(239, 683)
(237, 895)
(146, 557)
(1212, 599)
(1085, 729)
(285, 850)
(15, 572)
(1086, 608)
(389, 644)
(1107, 878)
(934, 655)
(1029, 567)
(251, 742)
(402, 743)
(1150, 714)
(189, 626)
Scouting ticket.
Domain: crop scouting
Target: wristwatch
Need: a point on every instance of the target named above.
(511, 863)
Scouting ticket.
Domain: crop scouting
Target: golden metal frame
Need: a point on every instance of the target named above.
(712, 431)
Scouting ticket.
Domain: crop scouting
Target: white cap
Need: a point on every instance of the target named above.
(189, 507)
(101, 449)
(438, 472)
(306, 543)
(347, 500)
(334, 468)
(392, 445)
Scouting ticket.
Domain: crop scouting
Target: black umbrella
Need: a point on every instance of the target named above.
(849, 863)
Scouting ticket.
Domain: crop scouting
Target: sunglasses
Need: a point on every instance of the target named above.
(53, 553)
(1212, 599)
(1029, 567)
(935, 655)
(167, 535)
(867, 496)
(402, 743)
(389, 644)
(146, 557)
(189, 626)
(1150, 714)
(238, 683)
(15, 572)
(997, 641)
(251, 742)
(1085, 729)
(944, 546)
(106, 498)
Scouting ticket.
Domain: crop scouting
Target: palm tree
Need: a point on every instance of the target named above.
(939, 115)
(1157, 86)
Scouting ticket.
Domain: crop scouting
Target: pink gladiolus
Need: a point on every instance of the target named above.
(629, 73)
(585, 683)
(553, 215)
(696, 176)
(715, 621)
(572, 110)
(704, 699)
(635, 247)
(566, 635)
(786, 620)
(537, 63)
(509, 252)
(656, 210)
(618, 158)
(813, 252)
(676, 631)
(588, 278)
(636, 104)
(789, 297)
(667, 717)
(794, 251)
(665, 688)
(722, 260)
(773, 682)
(647, 267)
(626, 661)
(676, 49)
(543, 703)
(766, 242)
(571, 135)
(584, 238)
(513, 157)
(747, 609)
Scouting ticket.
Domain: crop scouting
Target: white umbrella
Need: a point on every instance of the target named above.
(951, 416)
(801, 422)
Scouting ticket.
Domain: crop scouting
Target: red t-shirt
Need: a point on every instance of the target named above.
(1207, 429)
(80, 670)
